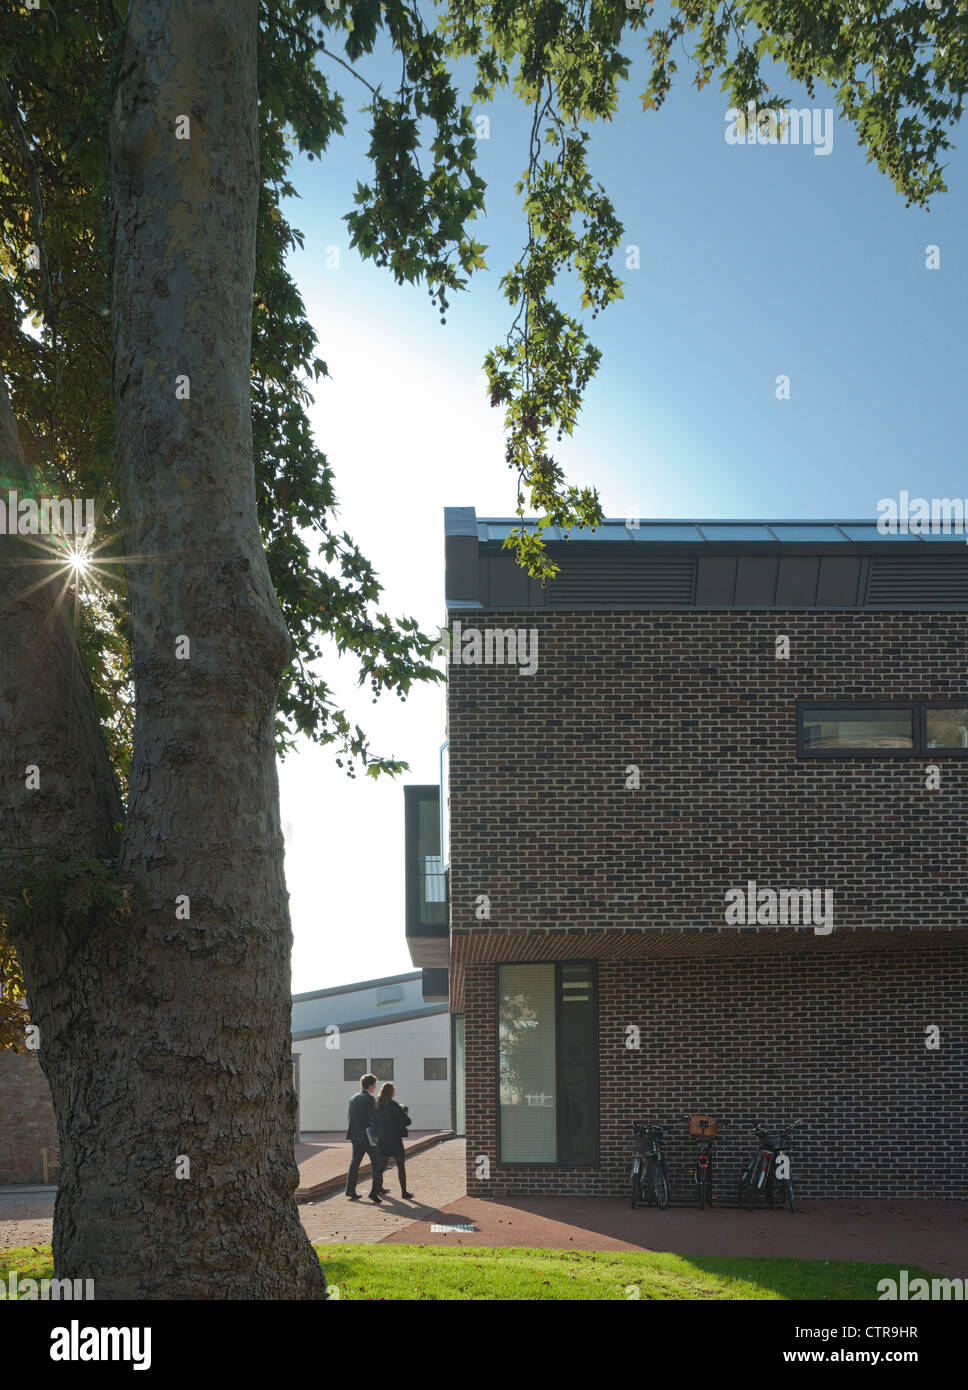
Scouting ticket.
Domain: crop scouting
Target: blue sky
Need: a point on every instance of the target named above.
(755, 261)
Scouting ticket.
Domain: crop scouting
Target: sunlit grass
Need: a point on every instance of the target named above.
(472, 1273)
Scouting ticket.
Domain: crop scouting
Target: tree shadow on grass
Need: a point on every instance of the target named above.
(815, 1280)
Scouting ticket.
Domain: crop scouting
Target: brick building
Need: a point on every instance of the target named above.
(697, 733)
(27, 1125)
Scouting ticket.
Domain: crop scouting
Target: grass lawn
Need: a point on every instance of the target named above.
(474, 1273)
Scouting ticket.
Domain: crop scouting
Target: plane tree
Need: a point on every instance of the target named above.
(157, 357)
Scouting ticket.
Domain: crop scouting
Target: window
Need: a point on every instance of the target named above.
(902, 729)
(548, 1063)
(460, 1074)
(526, 1063)
(382, 1068)
(841, 728)
(946, 728)
(444, 807)
(426, 880)
(435, 1068)
(577, 1065)
(354, 1068)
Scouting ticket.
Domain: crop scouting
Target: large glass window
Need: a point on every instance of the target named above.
(905, 729)
(526, 1063)
(548, 1063)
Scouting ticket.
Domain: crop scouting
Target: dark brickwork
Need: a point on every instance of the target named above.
(26, 1118)
(542, 822)
(838, 1042)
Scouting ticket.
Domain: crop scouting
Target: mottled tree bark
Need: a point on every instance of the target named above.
(48, 723)
(170, 1039)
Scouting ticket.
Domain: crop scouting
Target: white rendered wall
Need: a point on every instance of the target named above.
(324, 1095)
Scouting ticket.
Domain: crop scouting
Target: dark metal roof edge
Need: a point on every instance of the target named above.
(463, 521)
(360, 984)
(359, 1024)
(698, 521)
(901, 543)
(886, 606)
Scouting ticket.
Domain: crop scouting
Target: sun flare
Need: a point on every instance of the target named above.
(79, 562)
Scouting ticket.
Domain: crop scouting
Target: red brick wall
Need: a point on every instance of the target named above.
(26, 1118)
(838, 1042)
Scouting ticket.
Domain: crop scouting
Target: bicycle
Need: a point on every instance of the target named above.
(648, 1169)
(761, 1174)
(703, 1128)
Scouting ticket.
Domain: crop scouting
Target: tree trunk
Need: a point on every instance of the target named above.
(172, 1077)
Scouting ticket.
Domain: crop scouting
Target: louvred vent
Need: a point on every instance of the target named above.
(599, 580)
(935, 581)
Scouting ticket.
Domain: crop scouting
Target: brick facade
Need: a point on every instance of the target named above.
(837, 1041)
(830, 1029)
(26, 1118)
(541, 820)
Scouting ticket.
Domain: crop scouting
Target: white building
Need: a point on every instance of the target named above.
(380, 1026)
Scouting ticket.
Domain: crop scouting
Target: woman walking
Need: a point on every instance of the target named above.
(392, 1123)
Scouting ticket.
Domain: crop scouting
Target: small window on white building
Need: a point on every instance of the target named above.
(382, 1068)
(435, 1068)
(354, 1068)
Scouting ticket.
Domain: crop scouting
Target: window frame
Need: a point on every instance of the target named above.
(446, 1076)
(381, 1074)
(922, 735)
(348, 1079)
(919, 727)
(548, 1163)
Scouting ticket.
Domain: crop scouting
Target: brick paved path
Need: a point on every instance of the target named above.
(932, 1234)
(327, 1155)
(436, 1176)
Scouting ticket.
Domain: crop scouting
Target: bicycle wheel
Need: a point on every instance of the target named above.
(754, 1189)
(660, 1186)
(743, 1188)
(701, 1183)
(636, 1188)
(791, 1201)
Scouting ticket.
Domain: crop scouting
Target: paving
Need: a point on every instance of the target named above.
(933, 1235)
(435, 1176)
(323, 1158)
(26, 1215)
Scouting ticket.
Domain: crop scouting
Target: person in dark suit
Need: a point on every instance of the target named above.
(392, 1123)
(360, 1118)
